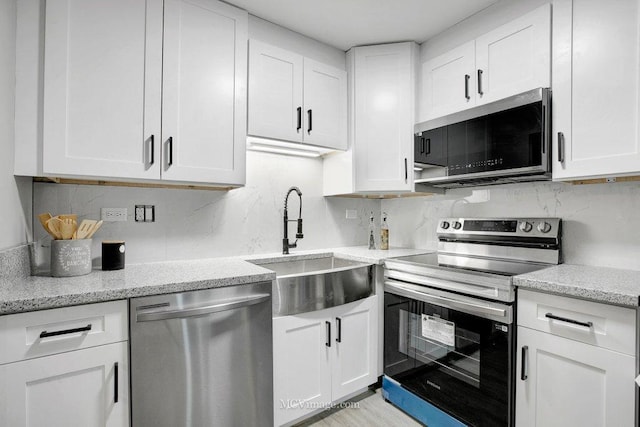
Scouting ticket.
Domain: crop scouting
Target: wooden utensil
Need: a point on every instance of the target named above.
(67, 228)
(85, 228)
(53, 227)
(94, 229)
(44, 217)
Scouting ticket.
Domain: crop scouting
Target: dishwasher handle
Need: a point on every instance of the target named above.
(202, 310)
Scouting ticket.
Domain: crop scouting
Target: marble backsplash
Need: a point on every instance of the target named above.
(601, 222)
(194, 224)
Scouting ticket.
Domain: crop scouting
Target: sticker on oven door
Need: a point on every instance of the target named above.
(438, 329)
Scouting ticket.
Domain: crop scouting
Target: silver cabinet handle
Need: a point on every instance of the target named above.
(524, 369)
(567, 320)
(561, 147)
(199, 311)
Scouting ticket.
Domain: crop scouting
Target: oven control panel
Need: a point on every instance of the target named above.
(515, 227)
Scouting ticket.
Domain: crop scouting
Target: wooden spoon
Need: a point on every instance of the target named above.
(67, 228)
(53, 226)
(85, 228)
(44, 217)
(94, 229)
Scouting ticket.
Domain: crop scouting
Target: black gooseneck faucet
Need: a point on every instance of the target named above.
(285, 241)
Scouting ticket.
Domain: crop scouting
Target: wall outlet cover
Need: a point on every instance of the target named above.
(113, 214)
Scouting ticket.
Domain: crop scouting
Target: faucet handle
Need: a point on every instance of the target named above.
(299, 234)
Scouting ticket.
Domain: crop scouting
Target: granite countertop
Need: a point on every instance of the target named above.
(601, 284)
(19, 294)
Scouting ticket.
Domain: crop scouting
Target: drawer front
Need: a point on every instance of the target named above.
(603, 325)
(41, 333)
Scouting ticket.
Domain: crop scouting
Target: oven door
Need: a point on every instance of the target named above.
(451, 350)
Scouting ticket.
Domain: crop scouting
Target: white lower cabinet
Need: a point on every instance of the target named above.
(65, 367)
(572, 374)
(322, 357)
(83, 388)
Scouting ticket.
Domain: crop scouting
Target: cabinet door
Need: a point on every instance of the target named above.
(204, 117)
(102, 78)
(301, 365)
(355, 361)
(448, 82)
(325, 105)
(595, 88)
(515, 57)
(275, 93)
(73, 389)
(569, 383)
(384, 117)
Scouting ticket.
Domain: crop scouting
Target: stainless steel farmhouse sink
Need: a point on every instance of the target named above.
(304, 285)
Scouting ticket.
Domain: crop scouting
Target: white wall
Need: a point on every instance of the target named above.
(199, 223)
(15, 194)
(600, 221)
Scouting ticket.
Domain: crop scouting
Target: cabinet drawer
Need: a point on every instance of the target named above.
(603, 325)
(41, 333)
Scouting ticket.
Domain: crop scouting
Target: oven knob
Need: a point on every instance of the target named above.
(544, 227)
(457, 225)
(526, 226)
(444, 225)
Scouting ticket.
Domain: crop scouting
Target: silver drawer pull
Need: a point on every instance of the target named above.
(567, 320)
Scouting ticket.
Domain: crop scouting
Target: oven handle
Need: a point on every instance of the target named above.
(467, 307)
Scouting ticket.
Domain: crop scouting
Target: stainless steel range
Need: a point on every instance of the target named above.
(449, 319)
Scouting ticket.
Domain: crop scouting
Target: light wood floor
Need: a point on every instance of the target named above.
(371, 411)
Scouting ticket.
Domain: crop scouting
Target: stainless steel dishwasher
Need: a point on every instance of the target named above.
(202, 358)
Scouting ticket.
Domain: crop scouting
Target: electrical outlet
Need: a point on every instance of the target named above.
(145, 213)
(352, 214)
(113, 214)
(139, 213)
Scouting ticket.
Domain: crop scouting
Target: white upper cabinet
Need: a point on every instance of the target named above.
(511, 59)
(595, 88)
(132, 89)
(294, 98)
(383, 117)
(204, 92)
(448, 83)
(102, 88)
(325, 104)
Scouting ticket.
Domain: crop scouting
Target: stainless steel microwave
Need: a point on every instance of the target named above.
(500, 142)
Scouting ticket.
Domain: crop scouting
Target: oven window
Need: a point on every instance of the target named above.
(459, 362)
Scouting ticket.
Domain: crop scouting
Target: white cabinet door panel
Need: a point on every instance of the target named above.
(515, 57)
(355, 363)
(325, 98)
(275, 92)
(449, 83)
(302, 374)
(73, 389)
(204, 91)
(384, 117)
(572, 384)
(595, 88)
(102, 76)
